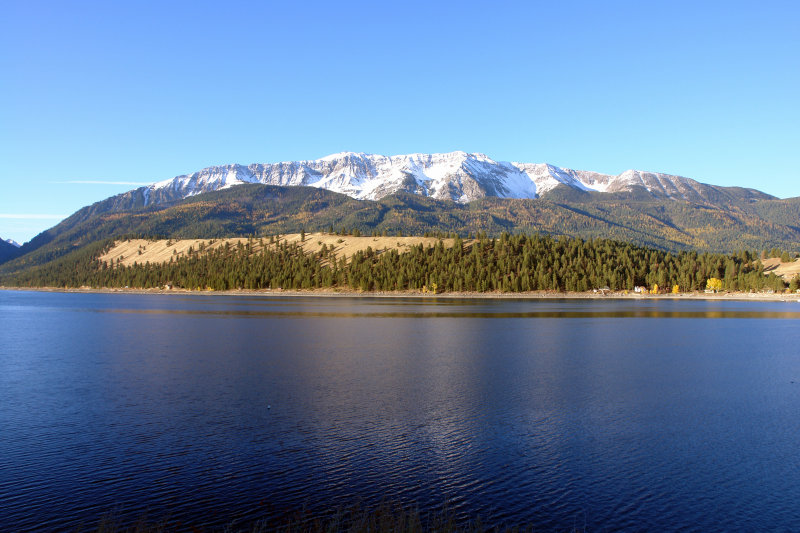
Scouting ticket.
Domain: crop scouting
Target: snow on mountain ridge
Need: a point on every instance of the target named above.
(458, 176)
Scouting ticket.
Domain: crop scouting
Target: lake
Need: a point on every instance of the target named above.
(212, 409)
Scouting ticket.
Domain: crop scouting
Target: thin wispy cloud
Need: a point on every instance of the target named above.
(31, 216)
(101, 182)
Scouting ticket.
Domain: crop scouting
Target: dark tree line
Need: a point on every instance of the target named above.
(511, 263)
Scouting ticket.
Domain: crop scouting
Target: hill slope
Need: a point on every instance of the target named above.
(8, 251)
(258, 210)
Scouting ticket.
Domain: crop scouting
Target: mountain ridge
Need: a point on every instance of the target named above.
(454, 192)
(9, 250)
(457, 176)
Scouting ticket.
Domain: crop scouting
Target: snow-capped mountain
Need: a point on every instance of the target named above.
(458, 176)
(13, 243)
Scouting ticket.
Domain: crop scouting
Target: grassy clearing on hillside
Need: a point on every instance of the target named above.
(142, 251)
(787, 271)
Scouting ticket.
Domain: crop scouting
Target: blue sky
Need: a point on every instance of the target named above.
(101, 96)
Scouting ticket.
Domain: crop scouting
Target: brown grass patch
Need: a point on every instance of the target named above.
(161, 251)
(787, 271)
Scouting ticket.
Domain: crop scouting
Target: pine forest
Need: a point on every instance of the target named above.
(509, 263)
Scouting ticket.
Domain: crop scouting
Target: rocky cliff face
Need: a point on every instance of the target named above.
(458, 176)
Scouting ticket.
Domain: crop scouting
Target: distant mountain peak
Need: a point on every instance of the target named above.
(13, 243)
(345, 155)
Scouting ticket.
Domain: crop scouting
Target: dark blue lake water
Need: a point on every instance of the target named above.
(613, 414)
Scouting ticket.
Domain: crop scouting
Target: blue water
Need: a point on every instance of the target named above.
(217, 410)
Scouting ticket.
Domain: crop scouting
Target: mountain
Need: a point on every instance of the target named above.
(8, 250)
(255, 209)
(457, 176)
(418, 193)
(13, 243)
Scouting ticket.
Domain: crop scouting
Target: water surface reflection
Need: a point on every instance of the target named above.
(532, 412)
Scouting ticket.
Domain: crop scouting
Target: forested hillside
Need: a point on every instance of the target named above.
(510, 263)
(744, 222)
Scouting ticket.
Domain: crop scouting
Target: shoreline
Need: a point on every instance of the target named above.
(346, 293)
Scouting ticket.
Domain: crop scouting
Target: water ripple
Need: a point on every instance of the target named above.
(607, 418)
